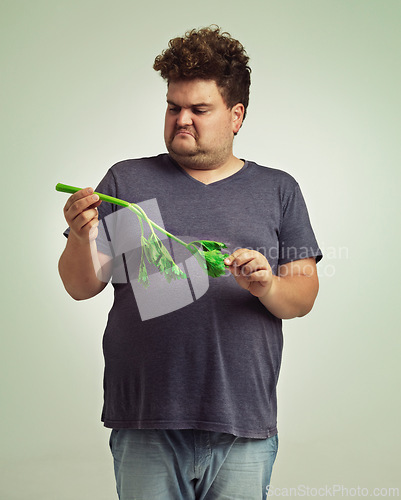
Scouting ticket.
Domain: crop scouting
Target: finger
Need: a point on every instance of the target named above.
(93, 229)
(80, 205)
(82, 193)
(252, 264)
(84, 218)
(96, 204)
(261, 276)
(256, 264)
(235, 271)
(240, 257)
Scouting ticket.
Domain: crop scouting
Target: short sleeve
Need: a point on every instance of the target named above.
(296, 237)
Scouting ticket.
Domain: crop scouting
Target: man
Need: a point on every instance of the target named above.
(191, 395)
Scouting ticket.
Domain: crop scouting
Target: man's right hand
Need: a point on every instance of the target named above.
(83, 270)
(81, 214)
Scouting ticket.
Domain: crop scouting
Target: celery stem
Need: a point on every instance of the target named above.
(140, 213)
(65, 188)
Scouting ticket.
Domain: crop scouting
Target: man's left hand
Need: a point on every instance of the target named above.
(251, 270)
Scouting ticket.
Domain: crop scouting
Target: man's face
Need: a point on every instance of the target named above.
(199, 128)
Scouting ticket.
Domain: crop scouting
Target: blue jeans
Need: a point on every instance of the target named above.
(191, 465)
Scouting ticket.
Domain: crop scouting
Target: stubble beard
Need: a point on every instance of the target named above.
(199, 158)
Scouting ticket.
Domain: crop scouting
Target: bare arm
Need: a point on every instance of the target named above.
(294, 290)
(290, 294)
(83, 270)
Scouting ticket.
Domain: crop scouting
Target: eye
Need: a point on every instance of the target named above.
(174, 109)
(199, 111)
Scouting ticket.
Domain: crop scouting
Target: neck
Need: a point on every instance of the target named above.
(213, 174)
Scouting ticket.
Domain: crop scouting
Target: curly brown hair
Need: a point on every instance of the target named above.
(209, 54)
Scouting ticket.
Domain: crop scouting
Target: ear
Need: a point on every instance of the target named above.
(237, 113)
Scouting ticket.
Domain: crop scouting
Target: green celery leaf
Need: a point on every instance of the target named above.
(209, 256)
(157, 254)
(143, 274)
(209, 245)
(215, 263)
(153, 249)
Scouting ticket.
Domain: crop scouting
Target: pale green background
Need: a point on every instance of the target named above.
(78, 93)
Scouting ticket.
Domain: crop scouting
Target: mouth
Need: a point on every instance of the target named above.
(184, 132)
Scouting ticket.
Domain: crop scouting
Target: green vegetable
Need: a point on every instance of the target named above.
(208, 253)
(212, 260)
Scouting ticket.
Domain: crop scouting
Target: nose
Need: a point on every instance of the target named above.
(184, 118)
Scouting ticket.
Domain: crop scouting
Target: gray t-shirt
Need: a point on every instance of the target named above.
(198, 353)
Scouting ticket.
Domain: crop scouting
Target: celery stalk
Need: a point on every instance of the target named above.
(208, 253)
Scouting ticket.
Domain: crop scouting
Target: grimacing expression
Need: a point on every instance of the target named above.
(199, 127)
